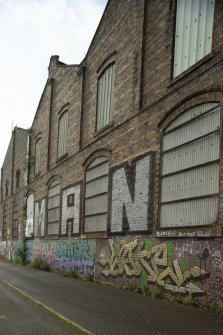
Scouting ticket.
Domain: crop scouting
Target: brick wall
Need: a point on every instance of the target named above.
(138, 36)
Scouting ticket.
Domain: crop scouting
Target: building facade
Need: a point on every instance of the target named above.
(124, 174)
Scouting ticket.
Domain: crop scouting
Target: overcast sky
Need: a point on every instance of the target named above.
(30, 32)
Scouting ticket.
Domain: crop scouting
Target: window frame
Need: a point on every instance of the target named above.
(197, 62)
(89, 167)
(209, 163)
(5, 222)
(53, 184)
(64, 144)
(18, 177)
(15, 219)
(37, 162)
(112, 63)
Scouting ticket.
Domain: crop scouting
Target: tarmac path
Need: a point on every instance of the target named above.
(97, 309)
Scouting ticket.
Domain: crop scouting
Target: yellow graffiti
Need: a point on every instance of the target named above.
(133, 258)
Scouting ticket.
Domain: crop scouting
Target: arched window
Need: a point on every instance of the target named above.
(190, 168)
(5, 218)
(37, 156)
(105, 96)
(62, 135)
(96, 195)
(15, 222)
(17, 178)
(6, 187)
(53, 214)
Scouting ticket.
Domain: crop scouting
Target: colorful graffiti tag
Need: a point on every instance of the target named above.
(135, 257)
(67, 255)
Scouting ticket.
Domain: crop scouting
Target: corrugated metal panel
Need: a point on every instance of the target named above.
(193, 183)
(105, 97)
(37, 157)
(189, 213)
(53, 215)
(54, 190)
(54, 201)
(199, 152)
(62, 140)
(53, 228)
(193, 38)
(96, 205)
(197, 128)
(97, 172)
(191, 114)
(95, 201)
(96, 223)
(97, 161)
(96, 187)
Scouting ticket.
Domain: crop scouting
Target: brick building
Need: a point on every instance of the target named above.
(125, 171)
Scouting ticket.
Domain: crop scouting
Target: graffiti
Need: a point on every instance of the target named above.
(67, 255)
(133, 257)
(188, 248)
(173, 233)
(130, 198)
(8, 250)
(217, 285)
(44, 251)
(76, 255)
(216, 260)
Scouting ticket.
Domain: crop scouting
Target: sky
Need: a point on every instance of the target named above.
(31, 31)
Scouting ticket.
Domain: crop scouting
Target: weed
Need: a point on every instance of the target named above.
(40, 264)
(176, 298)
(157, 293)
(190, 300)
(74, 273)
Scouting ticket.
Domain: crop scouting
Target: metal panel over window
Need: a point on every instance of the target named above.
(193, 38)
(53, 215)
(96, 189)
(62, 136)
(5, 217)
(190, 168)
(15, 222)
(37, 156)
(105, 97)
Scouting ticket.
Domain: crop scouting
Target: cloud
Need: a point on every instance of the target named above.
(30, 32)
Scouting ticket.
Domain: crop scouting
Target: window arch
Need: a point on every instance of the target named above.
(53, 208)
(190, 168)
(15, 222)
(62, 135)
(5, 219)
(96, 195)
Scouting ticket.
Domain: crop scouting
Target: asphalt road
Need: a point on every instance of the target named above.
(105, 310)
(19, 316)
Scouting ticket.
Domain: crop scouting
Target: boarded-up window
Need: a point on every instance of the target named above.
(4, 229)
(15, 222)
(37, 156)
(96, 195)
(105, 97)
(53, 215)
(17, 178)
(190, 168)
(6, 187)
(62, 136)
(193, 38)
